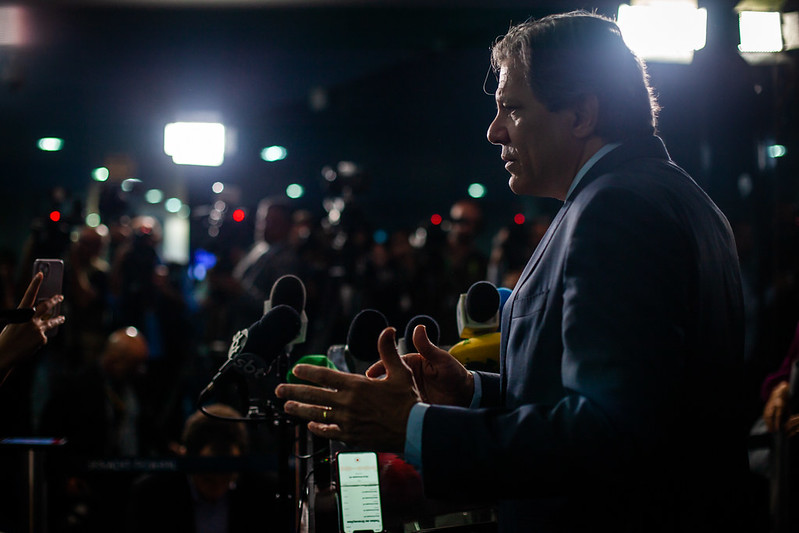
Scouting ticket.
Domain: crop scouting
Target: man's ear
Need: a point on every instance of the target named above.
(586, 116)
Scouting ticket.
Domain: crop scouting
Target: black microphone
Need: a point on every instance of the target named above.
(290, 290)
(255, 349)
(406, 344)
(361, 349)
(478, 310)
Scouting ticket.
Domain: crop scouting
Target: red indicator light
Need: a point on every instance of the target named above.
(55, 216)
(436, 219)
(519, 219)
(238, 215)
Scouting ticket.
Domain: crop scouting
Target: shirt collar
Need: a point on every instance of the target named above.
(588, 164)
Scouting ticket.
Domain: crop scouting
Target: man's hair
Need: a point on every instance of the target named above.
(201, 430)
(571, 55)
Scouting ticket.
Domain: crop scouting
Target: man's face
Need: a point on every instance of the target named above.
(537, 145)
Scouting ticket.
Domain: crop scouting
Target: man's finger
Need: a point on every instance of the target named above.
(33, 289)
(376, 370)
(304, 394)
(327, 377)
(389, 355)
(429, 351)
(327, 431)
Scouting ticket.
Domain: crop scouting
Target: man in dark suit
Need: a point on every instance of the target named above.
(615, 408)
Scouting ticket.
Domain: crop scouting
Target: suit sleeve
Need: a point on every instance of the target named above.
(621, 289)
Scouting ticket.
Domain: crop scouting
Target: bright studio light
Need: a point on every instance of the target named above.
(195, 143)
(668, 32)
(760, 31)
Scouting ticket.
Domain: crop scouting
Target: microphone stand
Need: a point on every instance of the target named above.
(263, 408)
(285, 435)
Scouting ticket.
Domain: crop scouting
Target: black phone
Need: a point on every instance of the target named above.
(53, 271)
(360, 508)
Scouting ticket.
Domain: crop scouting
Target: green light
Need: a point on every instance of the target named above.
(776, 150)
(295, 191)
(100, 174)
(274, 153)
(93, 220)
(476, 190)
(50, 144)
(154, 196)
(173, 205)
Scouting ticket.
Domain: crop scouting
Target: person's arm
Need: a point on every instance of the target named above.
(18, 341)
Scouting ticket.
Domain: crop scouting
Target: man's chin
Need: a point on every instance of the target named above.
(515, 184)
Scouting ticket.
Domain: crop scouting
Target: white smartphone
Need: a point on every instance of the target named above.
(52, 284)
(359, 492)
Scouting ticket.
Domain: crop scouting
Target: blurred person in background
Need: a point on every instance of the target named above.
(103, 411)
(217, 501)
(88, 295)
(270, 257)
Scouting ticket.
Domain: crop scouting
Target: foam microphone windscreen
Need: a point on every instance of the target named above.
(482, 301)
(364, 331)
(269, 336)
(430, 324)
(288, 290)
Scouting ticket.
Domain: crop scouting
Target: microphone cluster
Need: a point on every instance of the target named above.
(258, 356)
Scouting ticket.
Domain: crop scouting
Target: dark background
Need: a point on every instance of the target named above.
(405, 100)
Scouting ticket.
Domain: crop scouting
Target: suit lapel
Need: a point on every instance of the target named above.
(645, 147)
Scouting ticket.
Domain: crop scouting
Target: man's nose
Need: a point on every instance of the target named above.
(496, 134)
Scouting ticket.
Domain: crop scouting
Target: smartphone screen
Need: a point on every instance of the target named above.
(53, 271)
(359, 492)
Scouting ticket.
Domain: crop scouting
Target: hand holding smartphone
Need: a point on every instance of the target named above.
(53, 272)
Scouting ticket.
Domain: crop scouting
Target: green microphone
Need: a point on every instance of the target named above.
(316, 360)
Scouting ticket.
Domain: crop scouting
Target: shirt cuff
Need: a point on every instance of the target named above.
(413, 429)
(413, 435)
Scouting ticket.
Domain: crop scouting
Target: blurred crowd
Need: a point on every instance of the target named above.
(142, 337)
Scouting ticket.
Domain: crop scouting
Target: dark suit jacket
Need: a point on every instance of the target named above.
(622, 348)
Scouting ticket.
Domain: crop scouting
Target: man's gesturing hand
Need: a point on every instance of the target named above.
(440, 377)
(356, 409)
